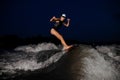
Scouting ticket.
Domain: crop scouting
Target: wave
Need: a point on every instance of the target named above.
(92, 63)
(29, 58)
(102, 64)
(83, 62)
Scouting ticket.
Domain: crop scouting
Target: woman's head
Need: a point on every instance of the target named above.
(62, 18)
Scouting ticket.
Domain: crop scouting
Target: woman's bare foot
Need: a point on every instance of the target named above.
(67, 47)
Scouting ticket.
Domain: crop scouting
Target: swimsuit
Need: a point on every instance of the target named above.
(58, 25)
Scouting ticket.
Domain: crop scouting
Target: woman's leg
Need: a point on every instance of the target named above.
(56, 34)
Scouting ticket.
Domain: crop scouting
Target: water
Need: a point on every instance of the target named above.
(46, 61)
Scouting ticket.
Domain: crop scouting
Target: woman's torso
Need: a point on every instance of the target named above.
(58, 24)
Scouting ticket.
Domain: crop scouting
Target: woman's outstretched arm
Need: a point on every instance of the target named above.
(68, 23)
(54, 19)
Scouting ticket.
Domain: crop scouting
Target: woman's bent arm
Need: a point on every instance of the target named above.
(68, 23)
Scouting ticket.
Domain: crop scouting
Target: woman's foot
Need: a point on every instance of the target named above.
(67, 47)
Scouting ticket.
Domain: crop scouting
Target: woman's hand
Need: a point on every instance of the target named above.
(68, 19)
(52, 18)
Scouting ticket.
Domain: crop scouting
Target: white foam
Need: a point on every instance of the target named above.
(32, 64)
(97, 68)
(36, 48)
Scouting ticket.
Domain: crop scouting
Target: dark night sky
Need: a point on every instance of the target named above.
(90, 19)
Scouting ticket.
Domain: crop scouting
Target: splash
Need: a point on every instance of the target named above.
(29, 58)
(101, 64)
(36, 48)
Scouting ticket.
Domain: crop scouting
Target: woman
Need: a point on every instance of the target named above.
(54, 31)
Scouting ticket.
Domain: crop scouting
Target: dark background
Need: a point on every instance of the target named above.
(91, 20)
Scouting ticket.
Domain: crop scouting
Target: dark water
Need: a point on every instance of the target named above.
(46, 61)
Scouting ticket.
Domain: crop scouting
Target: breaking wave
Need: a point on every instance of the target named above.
(84, 62)
(102, 64)
(29, 58)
